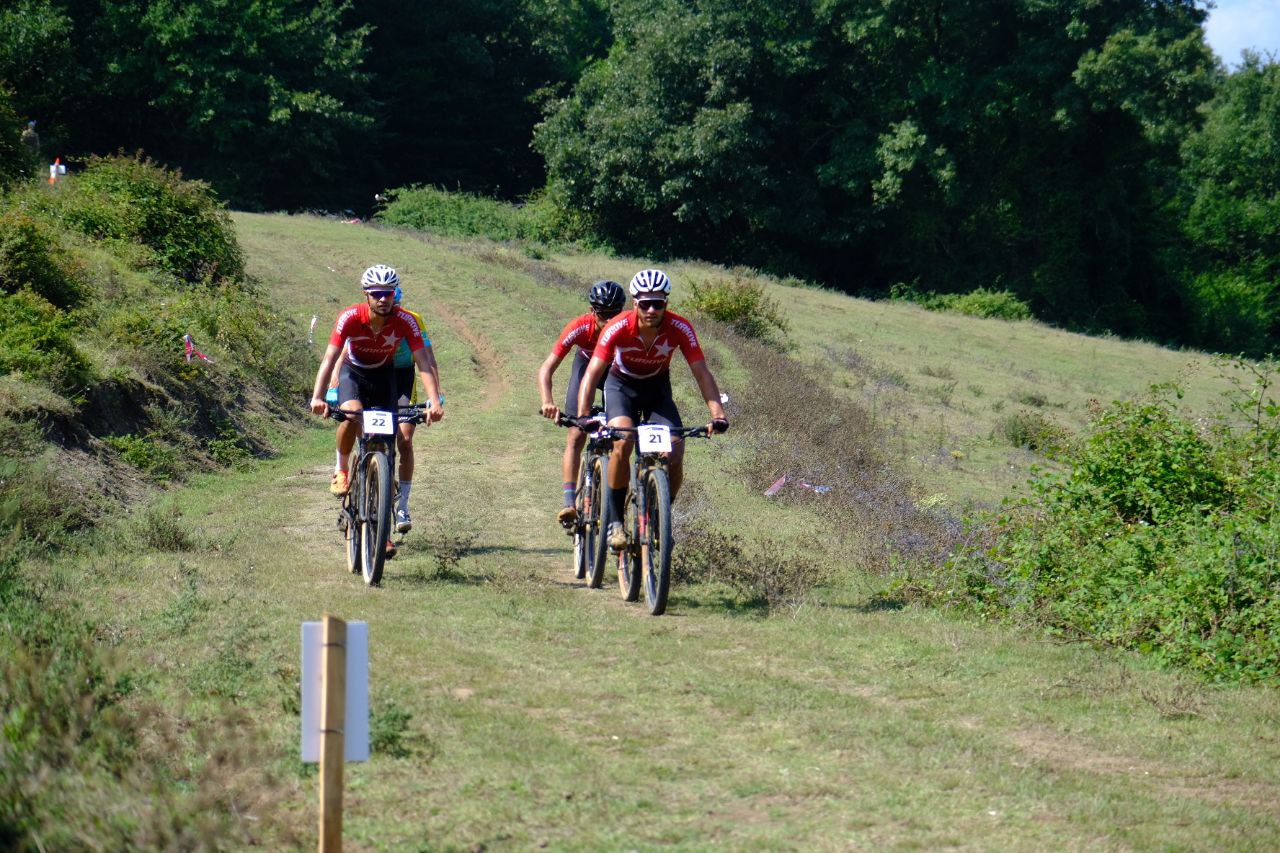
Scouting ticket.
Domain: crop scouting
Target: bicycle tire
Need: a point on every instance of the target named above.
(351, 533)
(628, 559)
(375, 527)
(655, 547)
(597, 522)
(581, 503)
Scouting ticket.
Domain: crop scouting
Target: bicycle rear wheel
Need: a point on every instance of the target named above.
(375, 506)
(596, 522)
(655, 541)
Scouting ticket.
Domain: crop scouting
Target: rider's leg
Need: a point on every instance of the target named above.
(675, 467)
(572, 456)
(348, 432)
(404, 447)
(620, 468)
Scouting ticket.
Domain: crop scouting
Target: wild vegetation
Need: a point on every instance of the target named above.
(982, 165)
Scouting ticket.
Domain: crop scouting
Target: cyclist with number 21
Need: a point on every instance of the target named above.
(636, 348)
(371, 331)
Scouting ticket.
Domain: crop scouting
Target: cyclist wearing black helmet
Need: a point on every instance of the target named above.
(607, 299)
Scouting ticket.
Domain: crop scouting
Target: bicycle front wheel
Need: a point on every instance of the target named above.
(351, 532)
(655, 541)
(582, 503)
(375, 506)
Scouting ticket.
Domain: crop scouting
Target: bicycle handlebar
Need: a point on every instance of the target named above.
(416, 413)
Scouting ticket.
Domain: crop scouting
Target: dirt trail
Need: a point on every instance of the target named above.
(484, 355)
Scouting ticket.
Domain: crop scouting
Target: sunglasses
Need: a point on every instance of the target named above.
(380, 294)
(651, 304)
(604, 313)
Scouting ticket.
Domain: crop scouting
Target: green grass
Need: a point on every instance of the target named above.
(519, 709)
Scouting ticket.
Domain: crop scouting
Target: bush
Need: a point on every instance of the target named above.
(453, 214)
(148, 453)
(1000, 304)
(741, 304)
(767, 573)
(1158, 538)
(31, 258)
(1031, 430)
(36, 341)
(130, 200)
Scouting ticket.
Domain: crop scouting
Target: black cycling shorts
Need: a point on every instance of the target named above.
(642, 400)
(576, 372)
(375, 387)
(406, 386)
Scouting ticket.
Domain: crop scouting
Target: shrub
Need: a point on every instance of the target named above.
(1031, 430)
(148, 453)
(31, 258)
(453, 214)
(1000, 304)
(36, 340)
(1158, 538)
(131, 200)
(767, 573)
(741, 304)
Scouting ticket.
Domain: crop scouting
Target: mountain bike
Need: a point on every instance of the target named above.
(646, 560)
(589, 548)
(365, 516)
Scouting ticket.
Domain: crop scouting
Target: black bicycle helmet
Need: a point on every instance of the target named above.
(607, 296)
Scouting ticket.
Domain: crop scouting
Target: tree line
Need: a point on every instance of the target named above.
(1092, 158)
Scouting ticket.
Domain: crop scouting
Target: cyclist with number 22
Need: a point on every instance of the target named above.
(636, 348)
(371, 331)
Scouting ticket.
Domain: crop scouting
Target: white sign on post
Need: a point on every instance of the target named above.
(355, 738)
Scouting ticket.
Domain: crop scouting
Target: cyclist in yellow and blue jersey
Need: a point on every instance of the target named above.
(407, 394)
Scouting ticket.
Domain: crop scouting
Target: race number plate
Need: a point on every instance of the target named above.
(377, 423)
(655, 438)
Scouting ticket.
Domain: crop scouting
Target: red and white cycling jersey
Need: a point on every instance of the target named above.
(580, 331)
(620, 345)
(364, 348)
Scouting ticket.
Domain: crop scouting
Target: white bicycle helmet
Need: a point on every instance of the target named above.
(379, 277)
(648, 282)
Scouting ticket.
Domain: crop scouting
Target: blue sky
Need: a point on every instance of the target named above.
(1237, 24)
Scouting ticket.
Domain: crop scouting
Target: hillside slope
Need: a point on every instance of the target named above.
(513, 708)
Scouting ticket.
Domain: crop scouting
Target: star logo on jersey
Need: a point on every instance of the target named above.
(663, 349)
(390, 339)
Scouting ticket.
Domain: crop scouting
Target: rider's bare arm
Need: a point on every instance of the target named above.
(327, 363)
(549, 407)
(710, 390)
(429, 373)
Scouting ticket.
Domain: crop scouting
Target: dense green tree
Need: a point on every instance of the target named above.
(14, 161)
(262, 97)
(1233, 213)
(454, 85)
(1028, 144)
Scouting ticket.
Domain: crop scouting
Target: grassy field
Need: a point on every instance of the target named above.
(514, 709)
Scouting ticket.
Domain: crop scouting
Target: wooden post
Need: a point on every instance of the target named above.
(333, 700)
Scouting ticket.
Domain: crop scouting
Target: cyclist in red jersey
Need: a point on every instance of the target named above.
(366, 335)
(636, 349)
(606, 298)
